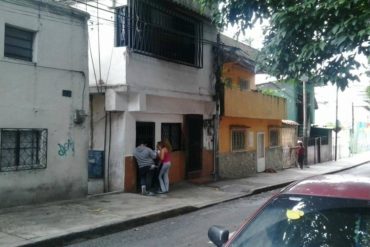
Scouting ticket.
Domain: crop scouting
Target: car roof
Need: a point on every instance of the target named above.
(339, 186)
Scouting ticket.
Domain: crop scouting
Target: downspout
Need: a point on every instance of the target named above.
(106, 175)
(216, 168)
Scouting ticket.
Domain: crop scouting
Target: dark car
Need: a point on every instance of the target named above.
(322, 211)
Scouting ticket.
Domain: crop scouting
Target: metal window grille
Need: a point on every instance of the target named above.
(18, 43)
(274, 137)
(172, 132)
(158, 29)
(23, 149)
(238, 139)
(145, 133)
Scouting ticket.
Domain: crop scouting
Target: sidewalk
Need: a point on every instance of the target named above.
(56, 223)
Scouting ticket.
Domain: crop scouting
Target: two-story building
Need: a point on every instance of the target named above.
(151, 77)
(250, 125)
(43, 102)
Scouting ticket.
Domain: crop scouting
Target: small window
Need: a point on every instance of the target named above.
(244, 84)
(172, 132)
(23, 149)
(274, 137)
(145, 134)
(18, 43)
(238, 139)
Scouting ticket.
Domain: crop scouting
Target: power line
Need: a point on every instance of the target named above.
(61, 20)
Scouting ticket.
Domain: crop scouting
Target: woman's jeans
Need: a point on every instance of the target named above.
(163, 177)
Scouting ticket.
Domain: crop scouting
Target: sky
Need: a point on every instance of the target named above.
(326, 95)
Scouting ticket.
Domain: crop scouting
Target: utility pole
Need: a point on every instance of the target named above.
(336, 125)
(304, 79)
(353, 130)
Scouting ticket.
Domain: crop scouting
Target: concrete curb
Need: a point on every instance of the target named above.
(94, 232)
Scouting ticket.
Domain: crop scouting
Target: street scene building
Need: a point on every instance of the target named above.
(250, 126)
(43, 102)
(127, 72)
(151, 77)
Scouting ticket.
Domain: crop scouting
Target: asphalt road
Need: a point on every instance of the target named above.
(191, 229)
(359, 170)
(186, 230)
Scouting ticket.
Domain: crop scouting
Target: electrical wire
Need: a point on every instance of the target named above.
(61, 20)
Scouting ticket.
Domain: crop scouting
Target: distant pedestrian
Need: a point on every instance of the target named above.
(145, 159)
(165, 158)
(300, 154)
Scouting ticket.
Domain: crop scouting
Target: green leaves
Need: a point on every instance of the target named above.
(315, 37)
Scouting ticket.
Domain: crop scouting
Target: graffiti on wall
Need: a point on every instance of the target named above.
(66, 148)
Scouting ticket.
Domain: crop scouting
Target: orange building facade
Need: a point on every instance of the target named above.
(250, 124)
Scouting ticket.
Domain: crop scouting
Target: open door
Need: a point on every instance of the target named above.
(261, 166)
(194, 144)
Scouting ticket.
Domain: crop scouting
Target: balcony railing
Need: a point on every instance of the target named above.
(252, 104)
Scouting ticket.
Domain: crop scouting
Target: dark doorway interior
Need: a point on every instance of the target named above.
(194, 137)
(145, 133)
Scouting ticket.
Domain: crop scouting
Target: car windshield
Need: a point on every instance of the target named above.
(307, 221)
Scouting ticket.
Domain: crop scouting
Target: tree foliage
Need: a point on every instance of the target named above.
(316, 38)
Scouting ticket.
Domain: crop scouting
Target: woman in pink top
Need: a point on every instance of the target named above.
(164, 156)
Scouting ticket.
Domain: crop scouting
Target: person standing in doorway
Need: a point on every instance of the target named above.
(300, 154)
(145, 159)
(164, 156)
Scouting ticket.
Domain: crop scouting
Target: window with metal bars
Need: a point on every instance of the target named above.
(159, 29)
(274, 137)
(23, 149)
(18, 43)
(244, 84)
(145, 134)
(172, 132)
(238, 139)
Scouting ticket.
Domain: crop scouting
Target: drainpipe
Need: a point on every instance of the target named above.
(217, 118)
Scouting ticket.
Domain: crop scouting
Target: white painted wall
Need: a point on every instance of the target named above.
(153, 90)
(31, 97)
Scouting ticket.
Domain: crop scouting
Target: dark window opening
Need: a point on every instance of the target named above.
(18, 43)
(23, 149)
(172, 132)
(145, 134)
(156, 28)
(274, 137)
(244, 84)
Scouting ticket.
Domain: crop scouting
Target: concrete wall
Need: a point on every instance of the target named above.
(31, 97)
(238, 165)
(274, 158)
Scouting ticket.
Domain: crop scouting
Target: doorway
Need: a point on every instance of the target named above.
(194, 143)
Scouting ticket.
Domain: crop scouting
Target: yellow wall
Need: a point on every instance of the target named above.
(255, 126)
(253, 104)
(249, 103)
(235, 72)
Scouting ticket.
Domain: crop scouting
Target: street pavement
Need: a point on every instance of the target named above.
(58, 223)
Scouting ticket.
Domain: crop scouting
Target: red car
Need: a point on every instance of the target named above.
(322, 211)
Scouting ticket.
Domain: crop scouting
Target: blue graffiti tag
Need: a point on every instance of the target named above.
(66, 147)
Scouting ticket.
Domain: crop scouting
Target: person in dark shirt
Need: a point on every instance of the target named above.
(145, 159)
(300, 154)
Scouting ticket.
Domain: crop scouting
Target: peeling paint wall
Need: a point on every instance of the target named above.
(31, 97)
